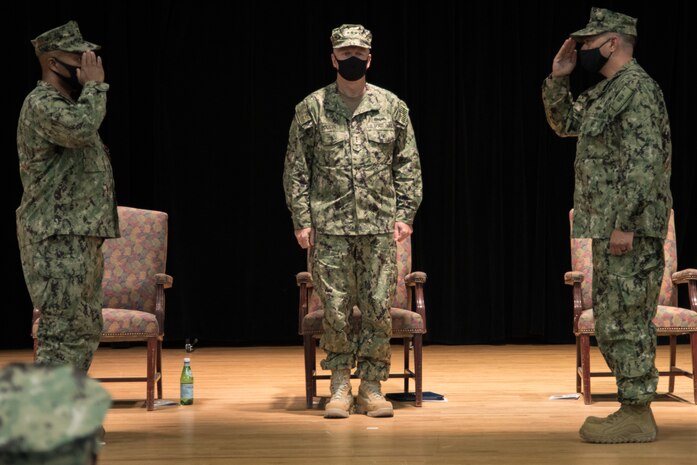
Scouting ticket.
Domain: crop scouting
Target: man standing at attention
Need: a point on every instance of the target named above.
(352, 179)
(622, 201)
(68, 206)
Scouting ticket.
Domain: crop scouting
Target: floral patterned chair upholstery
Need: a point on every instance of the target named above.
(408, 314)
(133, 284)
(670, 319)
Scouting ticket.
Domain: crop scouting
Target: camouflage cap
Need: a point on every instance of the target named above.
(348, 35)
(49, 412)
(603, 20)
(66, 38)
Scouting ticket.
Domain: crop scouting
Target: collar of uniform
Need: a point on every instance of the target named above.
(603, 85)
(334, 103)
(627, 66)
(49, 87)
(369, 102)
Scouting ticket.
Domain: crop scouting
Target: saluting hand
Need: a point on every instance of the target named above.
(90, 68)
(565, 60)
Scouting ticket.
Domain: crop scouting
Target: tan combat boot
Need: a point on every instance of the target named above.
(371, 401)
(341, 402)
(631, 423)
(602, 419)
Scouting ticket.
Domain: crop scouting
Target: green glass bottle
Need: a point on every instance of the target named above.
(186, 384)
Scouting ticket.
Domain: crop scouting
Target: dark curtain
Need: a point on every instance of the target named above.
(202, 96)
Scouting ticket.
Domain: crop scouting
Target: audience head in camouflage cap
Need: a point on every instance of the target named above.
(66, 38)
(603, 20)
(49, 415)
(348, 35)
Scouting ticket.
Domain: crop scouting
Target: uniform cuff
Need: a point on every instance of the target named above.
(100, 86)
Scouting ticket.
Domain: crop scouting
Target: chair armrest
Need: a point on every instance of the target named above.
(304, 278)
(415, 290)
(416, 277)
(304, 281)
(575, 278)
(572, 277)
(684, 276)
(688, 276)
(164, 279)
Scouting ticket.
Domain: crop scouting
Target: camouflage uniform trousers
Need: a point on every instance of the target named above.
(356, 270)
(625, 298)
(63, 274)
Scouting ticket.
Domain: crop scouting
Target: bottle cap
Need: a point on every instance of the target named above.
(187, 360)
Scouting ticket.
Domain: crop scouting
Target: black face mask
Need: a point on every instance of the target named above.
(352, 69)
(71, 81)
(592, 60)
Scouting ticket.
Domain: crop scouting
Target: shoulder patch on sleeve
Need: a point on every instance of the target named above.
(303, 116)
(401, 115)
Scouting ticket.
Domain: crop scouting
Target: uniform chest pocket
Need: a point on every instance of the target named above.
(331, 149)
(332, 135)
(594, 125)
(381, 136)
(380, 144)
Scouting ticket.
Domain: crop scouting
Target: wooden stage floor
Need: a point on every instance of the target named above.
(250, 409)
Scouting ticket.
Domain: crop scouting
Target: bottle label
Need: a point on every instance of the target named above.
(187, 391)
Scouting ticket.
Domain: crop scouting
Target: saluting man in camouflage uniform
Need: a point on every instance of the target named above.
(68, 206)
(352, 180)
(622, 201)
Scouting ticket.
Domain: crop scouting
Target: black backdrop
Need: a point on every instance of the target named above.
(202, 95)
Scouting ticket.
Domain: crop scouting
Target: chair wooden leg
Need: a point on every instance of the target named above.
(585, 368)
(693, 346)
(159, 369)
(152, 357)
(671, 378)
(36, 347)
(313, 366)
(418, 339)
(406, 342)
(578, 364)
(315, 343)
(309, 348)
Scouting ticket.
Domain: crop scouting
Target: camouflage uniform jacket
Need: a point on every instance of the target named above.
(63, 165)
(623, 153)
(352, 174)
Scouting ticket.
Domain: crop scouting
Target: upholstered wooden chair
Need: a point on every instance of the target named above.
(134, 298)
(670, 319)
(408, 323)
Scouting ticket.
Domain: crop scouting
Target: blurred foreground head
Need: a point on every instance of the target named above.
(50, 415)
